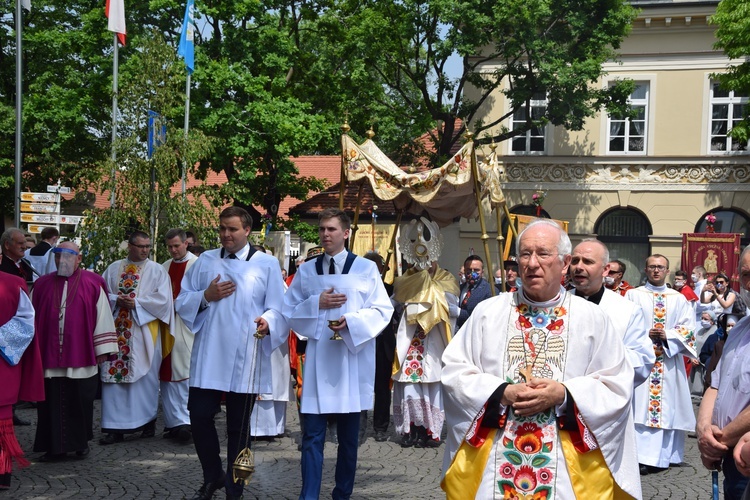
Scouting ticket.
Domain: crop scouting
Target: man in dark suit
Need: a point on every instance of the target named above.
(475, 290)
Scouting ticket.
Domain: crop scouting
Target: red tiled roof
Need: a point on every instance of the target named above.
(330, 199)
(323, 167)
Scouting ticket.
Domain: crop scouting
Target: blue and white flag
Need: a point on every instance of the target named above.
(186, 47)
(157, 132)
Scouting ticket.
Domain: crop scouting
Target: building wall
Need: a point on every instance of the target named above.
(675, 182)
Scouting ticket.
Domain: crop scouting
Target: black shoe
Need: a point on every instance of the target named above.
(380, 436)
(111, 438)
(83, 453)
(407, 440)
(149, 430)
(19, 421)
(643, 469)
(232, 497)
(184, 433)
(52, 457)
(206, 492)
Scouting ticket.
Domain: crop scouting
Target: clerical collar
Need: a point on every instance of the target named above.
(549, 303)
(595, 298)
(653, 288)
(185, 258)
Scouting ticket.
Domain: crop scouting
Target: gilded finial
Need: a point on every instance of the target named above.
(493, 145)
(469, 136)
(345, 128)
(370, 133)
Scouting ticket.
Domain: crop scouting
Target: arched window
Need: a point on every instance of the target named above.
(727, 221)
(625, 232)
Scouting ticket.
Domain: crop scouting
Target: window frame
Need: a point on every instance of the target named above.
(646, 104)
(533, 103)
(730, 101)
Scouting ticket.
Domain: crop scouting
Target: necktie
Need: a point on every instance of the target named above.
(331, 267)
(232, 256)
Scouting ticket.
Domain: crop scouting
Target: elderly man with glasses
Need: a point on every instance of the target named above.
(663, 411)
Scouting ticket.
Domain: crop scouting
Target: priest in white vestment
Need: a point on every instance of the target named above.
(140, 296)
(663, 409)
(339, 375)
(228, 296)
(177, 344)
(588, 266)
(538, 389)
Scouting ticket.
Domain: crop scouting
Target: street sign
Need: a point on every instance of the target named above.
(39, 197)
(36, 228)
(48, 219)
(38, 207)
(71, 219)
(58, 189)
(52, 218)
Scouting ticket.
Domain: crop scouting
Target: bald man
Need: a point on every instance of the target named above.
(76, 332)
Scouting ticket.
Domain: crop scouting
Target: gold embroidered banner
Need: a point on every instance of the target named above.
(716, 252)
(444, 192)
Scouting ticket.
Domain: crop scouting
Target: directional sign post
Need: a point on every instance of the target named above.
(40, 197)
(39, 207)
(36, 228)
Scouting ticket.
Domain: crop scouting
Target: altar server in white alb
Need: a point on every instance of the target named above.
(140, 296)
(662, 407)
(537, 390)
(177, 344)
(336, 295)
(227, 295)
(269, 413)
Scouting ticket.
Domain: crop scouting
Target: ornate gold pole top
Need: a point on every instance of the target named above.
(345, 128)
(493, 145)
(370, 133)
(469, 135)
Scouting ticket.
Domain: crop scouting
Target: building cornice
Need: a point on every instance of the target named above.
(601, 175)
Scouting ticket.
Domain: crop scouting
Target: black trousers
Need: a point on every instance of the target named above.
(202, 405)
(385, 345)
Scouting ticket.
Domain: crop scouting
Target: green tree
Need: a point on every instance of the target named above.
(552, 47)
(733, 35)
(145, 199)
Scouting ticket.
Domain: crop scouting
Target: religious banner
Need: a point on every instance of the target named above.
(716, 252)
(376, 239)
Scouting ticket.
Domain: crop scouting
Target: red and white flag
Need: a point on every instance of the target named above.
(115, 12)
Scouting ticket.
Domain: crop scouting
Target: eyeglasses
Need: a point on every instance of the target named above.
(540, 256)
(656, 268)
(612, 271)
(142, 247)
(721, 282)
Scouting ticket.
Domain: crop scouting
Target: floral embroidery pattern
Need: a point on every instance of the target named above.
(415, 357)
(540, 344)
(656, 377)
(529, 466)
(119, 364)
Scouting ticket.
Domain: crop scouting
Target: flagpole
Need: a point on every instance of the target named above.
(187, 123)
(115, 70)
(19, 116)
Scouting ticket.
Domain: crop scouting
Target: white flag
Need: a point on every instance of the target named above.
(115, 12)
(26, 4)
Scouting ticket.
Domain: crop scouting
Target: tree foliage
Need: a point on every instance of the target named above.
(275, 78)
(733, 35)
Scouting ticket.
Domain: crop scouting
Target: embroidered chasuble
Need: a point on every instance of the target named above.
(571, 341)
(663, 401)
(176, 338)
(137, 329)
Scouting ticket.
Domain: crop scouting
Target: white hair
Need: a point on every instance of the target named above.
(564, 247)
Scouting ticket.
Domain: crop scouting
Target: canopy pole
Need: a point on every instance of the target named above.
(356, 215)
(477, 192)
(345, 128)
(392, 246)
(500, 246)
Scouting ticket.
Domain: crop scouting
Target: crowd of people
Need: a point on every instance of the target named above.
(563, 380)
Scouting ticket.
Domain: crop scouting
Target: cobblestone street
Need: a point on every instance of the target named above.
(157, 468)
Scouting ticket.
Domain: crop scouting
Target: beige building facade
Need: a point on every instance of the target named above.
(638, 183)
